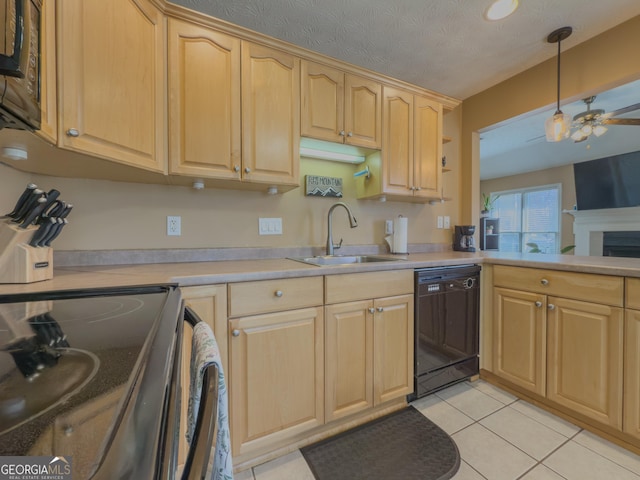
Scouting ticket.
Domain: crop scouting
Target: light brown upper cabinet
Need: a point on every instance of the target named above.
(112, 91)
(204, 102)
(427, 148)
(270, 115)
(227, 121)
(410, 167)
(340, 107)
(49, 121)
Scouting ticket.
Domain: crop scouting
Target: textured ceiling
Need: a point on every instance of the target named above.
(447, 46)
(442, 45)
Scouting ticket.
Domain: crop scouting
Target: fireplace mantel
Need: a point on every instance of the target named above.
(589, 226)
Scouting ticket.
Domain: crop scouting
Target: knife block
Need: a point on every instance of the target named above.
(19, 261)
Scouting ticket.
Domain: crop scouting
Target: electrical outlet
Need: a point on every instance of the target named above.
(388, 227)
(447, 221)
(440, 221)
(270, 226)
(173, 225)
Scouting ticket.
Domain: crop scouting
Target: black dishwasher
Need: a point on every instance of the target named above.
(447, 306)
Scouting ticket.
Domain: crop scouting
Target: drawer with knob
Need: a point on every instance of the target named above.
(264, 296)
(603, 289)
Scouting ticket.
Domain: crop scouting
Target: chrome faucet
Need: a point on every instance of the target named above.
(352, 221)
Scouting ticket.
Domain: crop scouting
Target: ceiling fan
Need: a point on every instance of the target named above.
(594, 121)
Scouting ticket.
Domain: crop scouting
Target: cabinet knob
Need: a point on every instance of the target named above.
(235, 333)
(247, 170)
(350, 134)
(236, 168)
(372, 310)
(341, 133)
(72, 132)
(278, 293)
(551, 306)
(538, 304)
(544, 282)
(380, 309)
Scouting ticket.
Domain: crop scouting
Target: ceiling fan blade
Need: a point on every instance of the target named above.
(622, 121)
(620, 111)
(535, 138)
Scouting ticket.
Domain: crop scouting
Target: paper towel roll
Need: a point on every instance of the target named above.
(400, 234)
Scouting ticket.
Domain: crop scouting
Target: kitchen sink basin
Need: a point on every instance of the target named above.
(325, 260)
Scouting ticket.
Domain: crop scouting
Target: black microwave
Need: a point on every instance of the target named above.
(20, 64)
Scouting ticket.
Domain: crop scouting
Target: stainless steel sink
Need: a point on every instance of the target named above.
(324, 260)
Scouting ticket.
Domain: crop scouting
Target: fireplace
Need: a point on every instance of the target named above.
(621, 244)
(590, 226)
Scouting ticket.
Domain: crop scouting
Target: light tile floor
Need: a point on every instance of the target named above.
(499, 438)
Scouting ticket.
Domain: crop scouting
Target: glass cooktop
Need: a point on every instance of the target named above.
(68, 363)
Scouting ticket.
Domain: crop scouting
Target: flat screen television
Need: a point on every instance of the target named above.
(610, 182)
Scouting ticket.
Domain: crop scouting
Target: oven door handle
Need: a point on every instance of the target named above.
(10, 65)
(201, 446)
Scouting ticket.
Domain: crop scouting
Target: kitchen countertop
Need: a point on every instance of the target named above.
(204, 273)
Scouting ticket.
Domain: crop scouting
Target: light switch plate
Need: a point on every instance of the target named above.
(447, 221)
(388, 227)
(440, 221)
(270, 226)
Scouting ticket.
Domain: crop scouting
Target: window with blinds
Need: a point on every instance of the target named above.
(529, 219)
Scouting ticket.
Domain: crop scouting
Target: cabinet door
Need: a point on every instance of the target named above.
(210, 304)
(276, 377)
(48, 85)
(398, 142)
(519, 338)
(112, 82)
(204, 101)
(363, 112)
(348, 359)
(585, 359)
(393, 348)
(427, 148)
(322, 102)
(631, 422)
(270, 115)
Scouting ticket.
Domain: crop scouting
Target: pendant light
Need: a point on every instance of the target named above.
(558, 126)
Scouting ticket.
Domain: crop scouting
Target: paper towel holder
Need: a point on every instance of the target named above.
(366, 173)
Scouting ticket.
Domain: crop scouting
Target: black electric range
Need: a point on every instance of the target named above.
(92, 376)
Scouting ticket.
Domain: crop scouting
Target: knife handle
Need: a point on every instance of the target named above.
(55, 231)
(34, 212)
(30, 187)
(28, 204)
(42, 232)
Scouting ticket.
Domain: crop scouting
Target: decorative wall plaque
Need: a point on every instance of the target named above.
(317, 186)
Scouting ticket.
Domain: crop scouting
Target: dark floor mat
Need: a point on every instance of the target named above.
(404, 445)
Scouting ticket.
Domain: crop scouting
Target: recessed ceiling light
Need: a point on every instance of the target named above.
(500, 9)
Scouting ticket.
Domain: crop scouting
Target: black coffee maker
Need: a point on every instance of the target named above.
(463, 238)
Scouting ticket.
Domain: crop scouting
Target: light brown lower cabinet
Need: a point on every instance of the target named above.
(209, 302)
(568, 351)
(564, 337)
(519, 338)
(368, 354)
(631, 420)
(584, 360)
(276, 377)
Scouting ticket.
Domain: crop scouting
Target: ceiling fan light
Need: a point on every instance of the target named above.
(500, 9)
(587, 129)
(557, 127)
(599, 130)
(577, 136)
